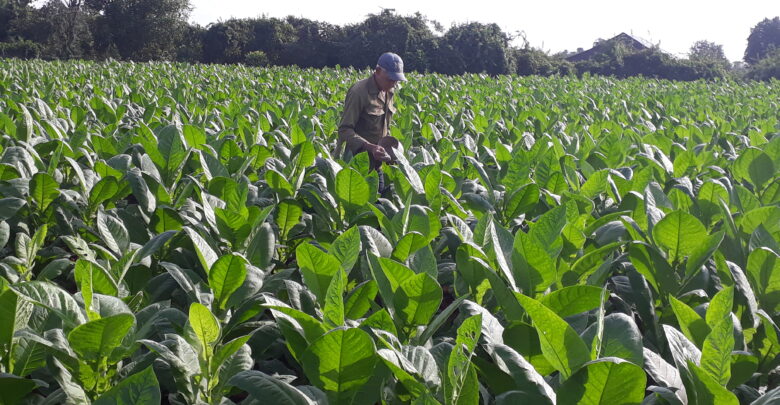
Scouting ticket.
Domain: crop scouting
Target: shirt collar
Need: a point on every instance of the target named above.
(373, 89)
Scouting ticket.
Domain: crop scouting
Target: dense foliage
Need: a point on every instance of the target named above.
(182, 233)
(763, 40)
(144, 30)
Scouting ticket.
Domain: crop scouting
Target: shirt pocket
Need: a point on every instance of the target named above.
(374, 117)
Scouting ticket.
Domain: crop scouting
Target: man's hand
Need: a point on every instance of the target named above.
(379, 153)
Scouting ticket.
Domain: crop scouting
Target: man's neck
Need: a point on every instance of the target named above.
(376, 82)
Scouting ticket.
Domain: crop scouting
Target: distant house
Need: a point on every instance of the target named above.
(627, 40)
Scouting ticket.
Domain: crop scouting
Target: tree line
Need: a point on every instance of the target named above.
(145, 30)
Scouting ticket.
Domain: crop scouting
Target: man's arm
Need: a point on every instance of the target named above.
(349, 118)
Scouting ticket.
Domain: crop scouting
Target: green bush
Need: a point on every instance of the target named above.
(21, 48)
(766, 68)
(256, 58)
(529, 61)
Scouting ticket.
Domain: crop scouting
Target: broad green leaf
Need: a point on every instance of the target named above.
(14, 315)
(768, 217)
(288, 214)
(317, 268)
(500, 240)
(262, 246)
(596, 184)
(743, 366)
(680, 233)
(102, 191)
(146, 199)
(708, 391)
(763, 270)
(96, 340)
(154, 244)
(278, 183)
(351, 188)
(526, 378)
(408, 244)
(651, 264)
(533, 266)
(205, 252)
(547, 229)
(204, 324)
(304, 325)
(403, 370)
(54, 299)
(708, 198)
(720, 307)
(139, 388)
(707, 246)
(227, 351)
(14, 389)
(459, 387)
(113, 233)
(43, 190)
(380, 320)
(683, 350)
(522, 200)
(172, 147)
(663, 373)
(524, 338)
(755, 166)
(605, 381)
(265, 388)
(417, 299)
(693, 326)
(360, 299)
(395, 273)
(340, 362)
(572, 300)
(347, 247)
(166, 219)
(621, 338)
(92, 278)
(333, 311)
(226, 276)
(560, 344)
(9, 206)
(716, 352)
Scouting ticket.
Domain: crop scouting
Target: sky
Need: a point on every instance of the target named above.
(552, 25)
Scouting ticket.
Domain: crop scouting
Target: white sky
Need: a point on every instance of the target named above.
(553, 25)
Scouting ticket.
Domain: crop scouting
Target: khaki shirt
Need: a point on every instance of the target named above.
(367, 115)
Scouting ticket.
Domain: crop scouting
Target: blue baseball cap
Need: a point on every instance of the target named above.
(393, 65)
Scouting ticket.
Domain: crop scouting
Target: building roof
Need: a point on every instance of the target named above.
(633, 43)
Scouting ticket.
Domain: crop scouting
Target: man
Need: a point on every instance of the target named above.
(368, 112)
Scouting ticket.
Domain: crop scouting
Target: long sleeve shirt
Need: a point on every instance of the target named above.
(366, 117)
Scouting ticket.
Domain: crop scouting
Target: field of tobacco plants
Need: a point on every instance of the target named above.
(183, 234)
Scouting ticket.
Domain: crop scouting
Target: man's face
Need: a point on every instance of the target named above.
(383, 80)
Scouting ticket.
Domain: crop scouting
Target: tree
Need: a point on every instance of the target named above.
(316, 44)
(228, 41)
(65, 29)
(142, 29)
(10, 10)
(271, 35)
(408, 36)
(190, 48)
(530, 61)
(475, 48)
(764, 38)
(709, 52)
(767, 68)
